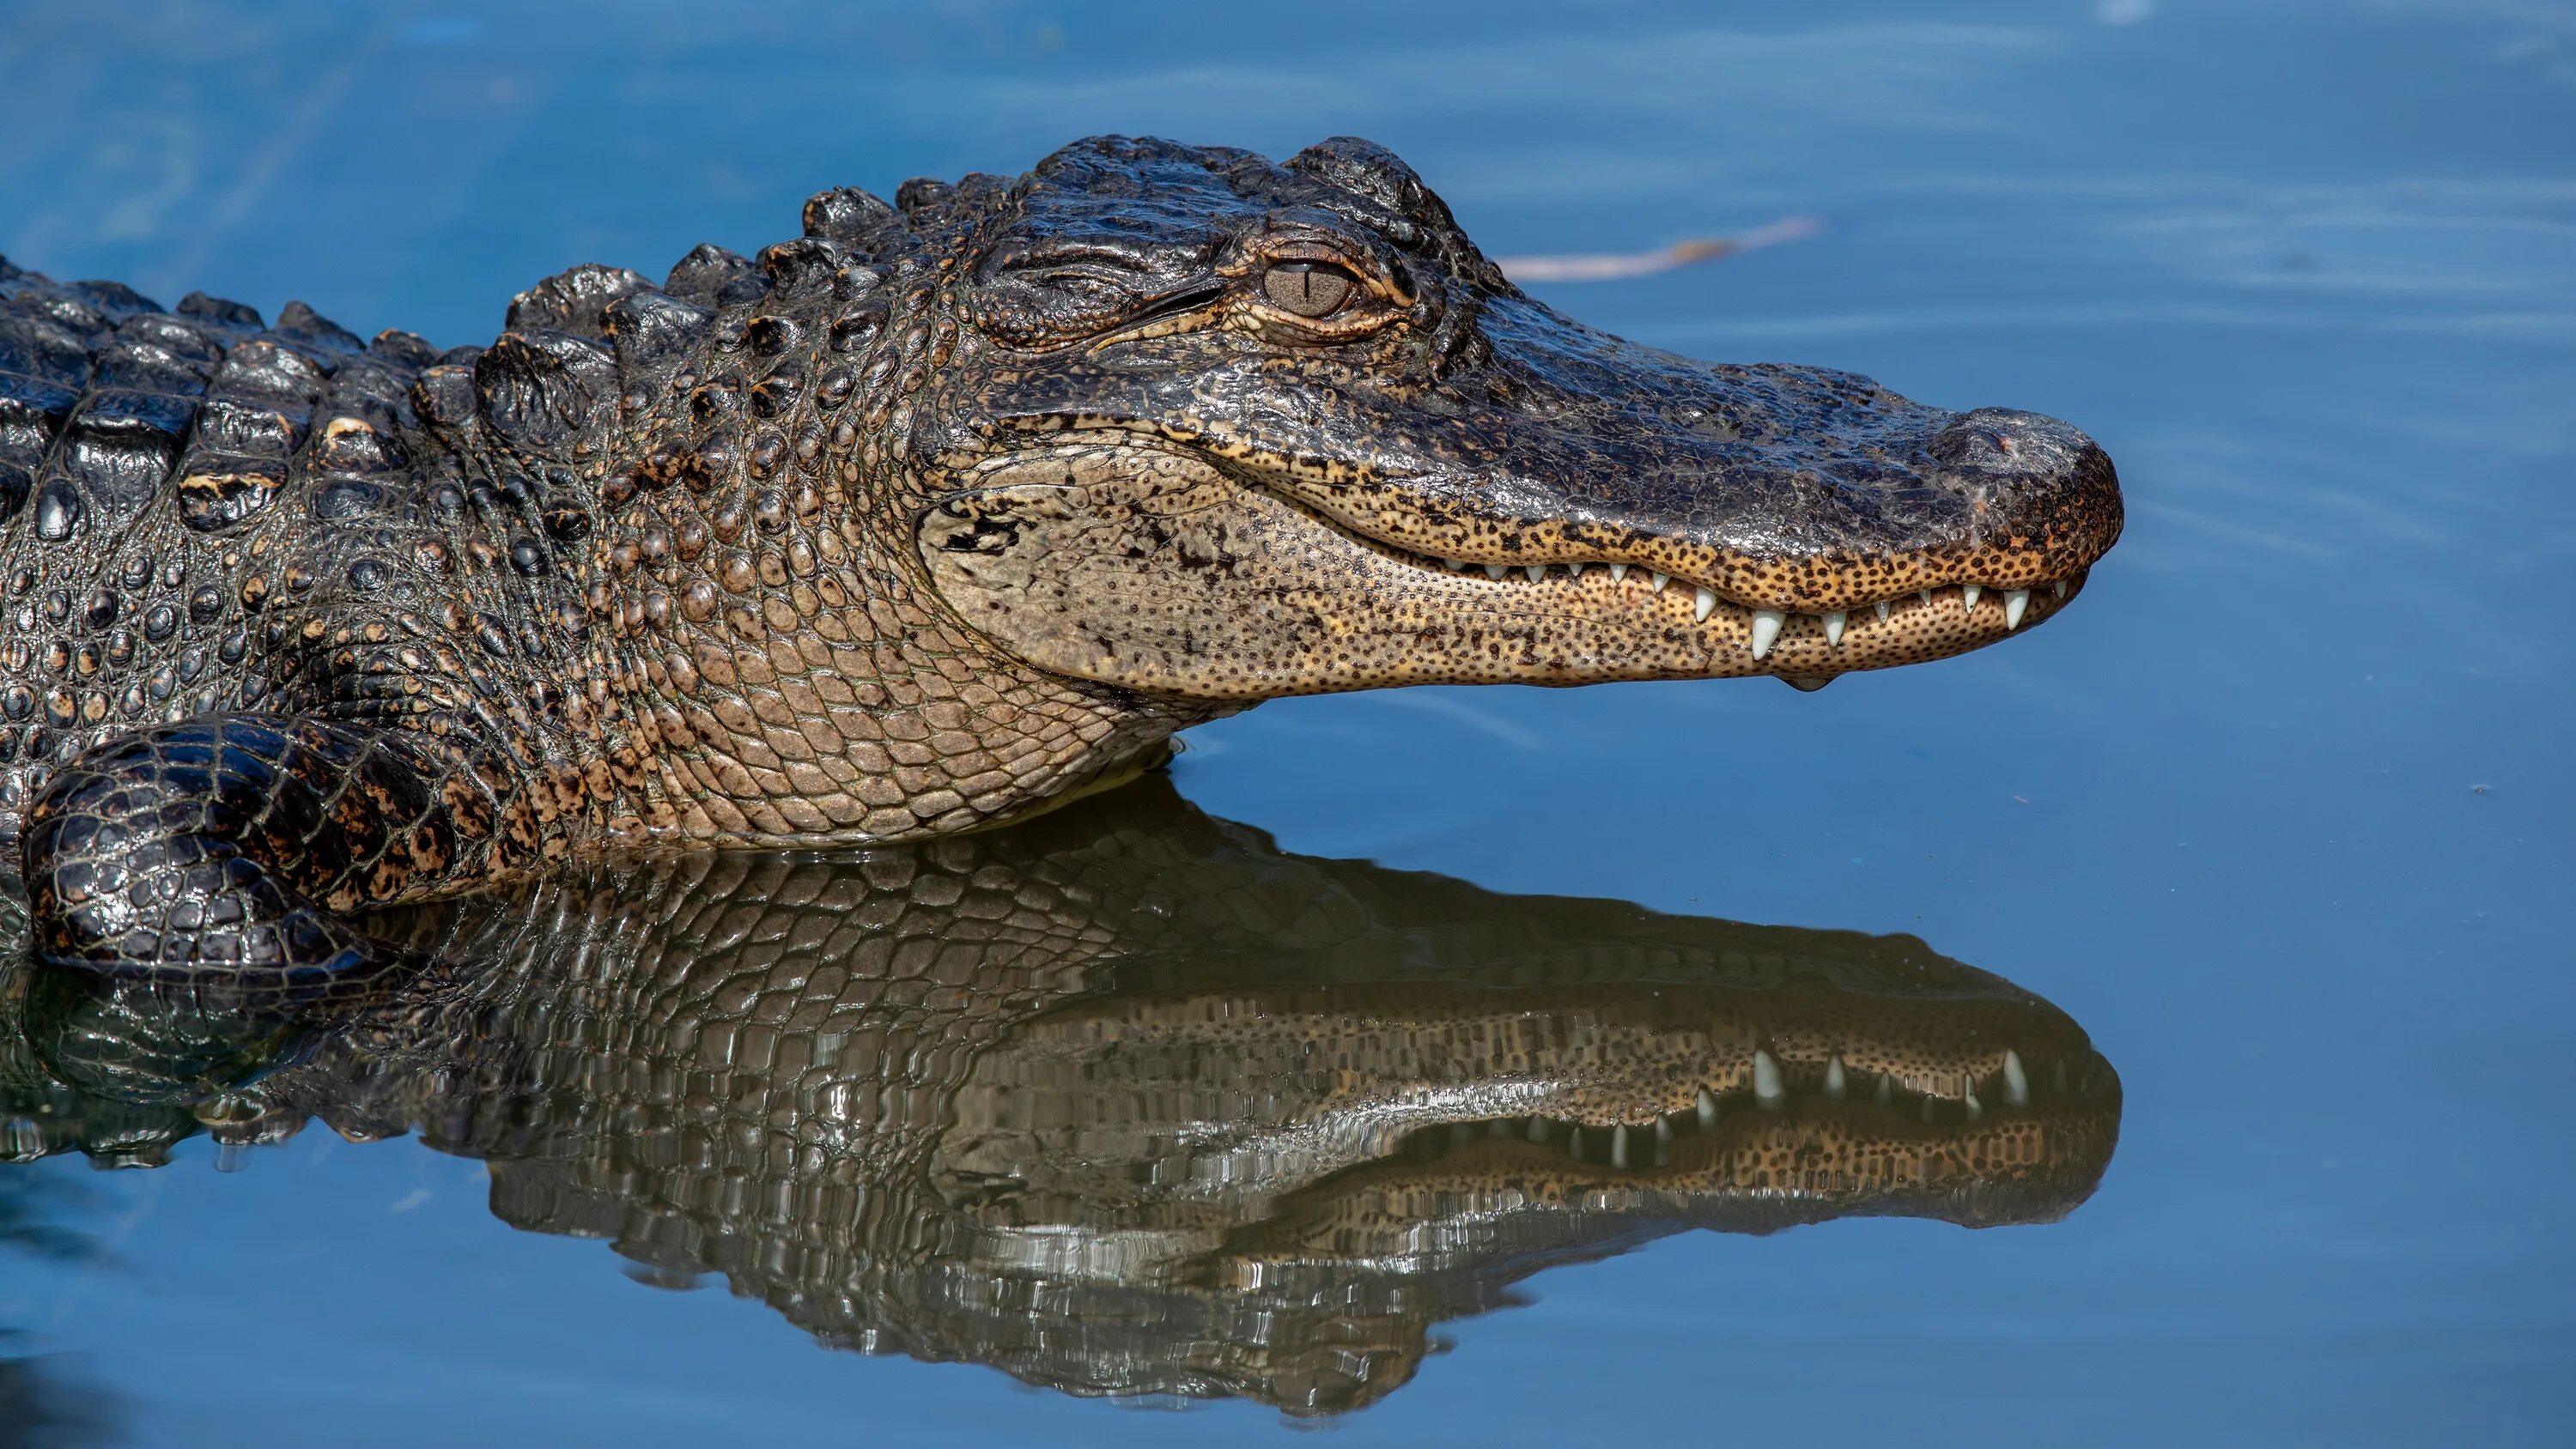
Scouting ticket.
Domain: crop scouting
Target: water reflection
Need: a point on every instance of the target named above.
(1124, 1100)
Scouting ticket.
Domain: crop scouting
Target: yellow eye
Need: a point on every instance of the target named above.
(1309, 289)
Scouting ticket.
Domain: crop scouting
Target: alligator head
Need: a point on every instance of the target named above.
(1227, 430)
(1123, 1100)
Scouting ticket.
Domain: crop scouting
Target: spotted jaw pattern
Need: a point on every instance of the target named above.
(1811, 648)
(1155, 568)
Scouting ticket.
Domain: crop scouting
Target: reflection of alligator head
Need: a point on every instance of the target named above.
(1122, 1100)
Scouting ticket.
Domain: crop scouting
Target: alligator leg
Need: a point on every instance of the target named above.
(247, 840)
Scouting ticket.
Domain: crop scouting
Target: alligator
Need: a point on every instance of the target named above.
(1122, 1101)
(944, 511)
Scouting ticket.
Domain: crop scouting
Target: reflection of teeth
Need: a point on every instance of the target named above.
(1834, 627)
(2060, 586)
(1704, 603)
(1768, 1091)
(1954, 1100)
(1766, 630)
(2015, 601)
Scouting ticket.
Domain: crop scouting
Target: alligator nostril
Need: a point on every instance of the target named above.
(2006, 440)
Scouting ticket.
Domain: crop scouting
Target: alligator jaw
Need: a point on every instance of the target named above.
(1144, 566)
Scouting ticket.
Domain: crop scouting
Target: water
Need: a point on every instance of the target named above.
(2277, 815)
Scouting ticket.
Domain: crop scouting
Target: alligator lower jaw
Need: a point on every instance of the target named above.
(1807, 649)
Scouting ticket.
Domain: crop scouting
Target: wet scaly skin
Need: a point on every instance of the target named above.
(943, 512)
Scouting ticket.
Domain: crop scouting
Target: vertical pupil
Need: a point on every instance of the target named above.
(1308, 288)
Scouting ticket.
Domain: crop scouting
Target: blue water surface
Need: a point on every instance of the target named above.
(2280, 812)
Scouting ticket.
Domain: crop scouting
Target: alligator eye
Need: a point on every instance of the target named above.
(1309, 289)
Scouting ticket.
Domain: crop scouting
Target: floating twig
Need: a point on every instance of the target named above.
(1614, 266)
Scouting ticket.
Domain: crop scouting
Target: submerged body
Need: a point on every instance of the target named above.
(943, 512)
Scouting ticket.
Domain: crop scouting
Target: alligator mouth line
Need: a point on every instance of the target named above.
(1966, 610)
(1767, 1093)
(1972, 613)
(1765, 628)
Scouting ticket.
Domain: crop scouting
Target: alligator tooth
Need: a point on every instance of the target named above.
(2015, 601)
(1706, 1106)
(1836, 1086)
(1538, 1129)
(1659, 580)
(1766, 630)
(1834, 628)
(2016, 1081)
(1620, 571)
(1704, 603)
(2060, 586)
(1536, 572)
(1453, 564)
(1496, 571)
(1619, 1147)
(1574, 571)
(1975, 1111)
(1969, 593)
(1882, 611)
(1926, 596)
(1767, 1089)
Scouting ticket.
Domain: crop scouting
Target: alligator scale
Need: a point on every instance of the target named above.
(944, 511)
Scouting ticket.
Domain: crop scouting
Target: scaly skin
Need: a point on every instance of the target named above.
(1120, 1101)
(941, 513)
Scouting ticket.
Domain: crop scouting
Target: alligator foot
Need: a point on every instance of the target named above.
(244, 840)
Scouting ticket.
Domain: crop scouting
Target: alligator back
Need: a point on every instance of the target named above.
(201, 513)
